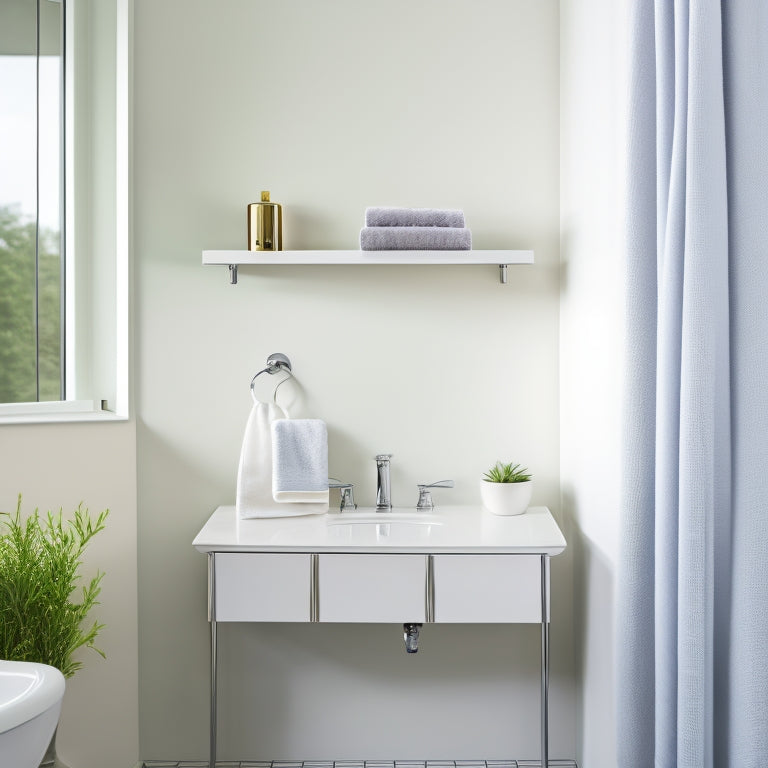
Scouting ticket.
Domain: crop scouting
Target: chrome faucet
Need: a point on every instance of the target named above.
(383, 494)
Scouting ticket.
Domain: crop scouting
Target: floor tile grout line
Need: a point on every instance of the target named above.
(553, 763)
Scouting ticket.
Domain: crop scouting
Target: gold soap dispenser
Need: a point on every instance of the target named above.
(265, 225)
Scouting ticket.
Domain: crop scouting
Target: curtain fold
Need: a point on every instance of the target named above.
(692, 587)
(745, 25)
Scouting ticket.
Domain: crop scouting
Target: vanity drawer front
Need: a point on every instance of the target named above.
(487, 588)
(262, 587)
(372, 588)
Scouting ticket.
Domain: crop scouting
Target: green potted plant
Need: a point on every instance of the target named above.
(506, 489)
(43, 614)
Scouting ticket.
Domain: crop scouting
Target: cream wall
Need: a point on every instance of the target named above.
(253, 96)
(56, 466)
(333, 107)
(592, 88)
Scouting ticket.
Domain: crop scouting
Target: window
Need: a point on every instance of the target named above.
(31, 209)
(64, 277)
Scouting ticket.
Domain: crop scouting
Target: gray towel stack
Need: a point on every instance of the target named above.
(414, 229)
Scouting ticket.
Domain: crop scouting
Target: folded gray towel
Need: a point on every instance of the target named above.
(300, 461)
(413, 217)
(415, 239)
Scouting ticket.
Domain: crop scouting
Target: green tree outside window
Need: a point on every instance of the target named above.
(25, 355)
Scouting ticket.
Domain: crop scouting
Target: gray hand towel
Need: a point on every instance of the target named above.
(413, 217)
(300, 461)
(415, 239)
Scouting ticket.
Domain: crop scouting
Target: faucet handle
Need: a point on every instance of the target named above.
(425, 495)
(347, 499)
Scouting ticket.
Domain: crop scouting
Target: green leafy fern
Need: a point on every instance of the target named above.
(39, 563)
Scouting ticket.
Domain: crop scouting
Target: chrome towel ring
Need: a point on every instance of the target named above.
(276, 363)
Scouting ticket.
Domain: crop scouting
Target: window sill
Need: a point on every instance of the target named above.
(57, 412)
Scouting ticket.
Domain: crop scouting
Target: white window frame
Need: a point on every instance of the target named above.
(98, 81)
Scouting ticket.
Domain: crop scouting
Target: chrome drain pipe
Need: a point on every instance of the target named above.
(411, 637)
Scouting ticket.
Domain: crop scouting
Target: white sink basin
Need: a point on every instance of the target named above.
(371, 517)
(367, 527)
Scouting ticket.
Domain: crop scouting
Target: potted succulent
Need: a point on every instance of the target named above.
(506, 489)
(42, 612)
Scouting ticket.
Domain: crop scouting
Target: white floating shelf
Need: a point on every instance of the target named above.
(367, 257)
(233, 259)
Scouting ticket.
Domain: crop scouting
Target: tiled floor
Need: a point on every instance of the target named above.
(366, 764)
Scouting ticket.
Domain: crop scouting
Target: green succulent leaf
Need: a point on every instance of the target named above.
(507, 473)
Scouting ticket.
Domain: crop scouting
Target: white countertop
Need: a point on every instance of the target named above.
(447, 529)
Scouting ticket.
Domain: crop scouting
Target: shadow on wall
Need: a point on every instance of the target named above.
(593, 589)
(173, 626)
(354, 689)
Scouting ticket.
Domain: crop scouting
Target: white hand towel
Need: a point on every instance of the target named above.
(254, 475)
(300, 461)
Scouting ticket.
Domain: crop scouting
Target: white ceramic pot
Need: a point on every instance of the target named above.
(506, 498)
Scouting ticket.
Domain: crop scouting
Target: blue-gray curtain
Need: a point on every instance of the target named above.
(692, 586)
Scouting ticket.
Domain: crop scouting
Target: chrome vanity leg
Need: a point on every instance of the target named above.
(214, 659)
(545, 661)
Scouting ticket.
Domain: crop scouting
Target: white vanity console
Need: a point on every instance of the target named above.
(457, 564)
